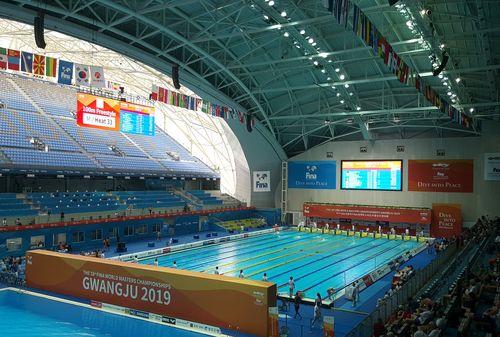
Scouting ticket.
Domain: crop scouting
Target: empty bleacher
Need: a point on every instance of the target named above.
(150, 199)
(38, 129)
(205, 198)
(11, 206)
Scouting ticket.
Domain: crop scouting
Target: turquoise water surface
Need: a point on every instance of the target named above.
(23, 315)
(316, 261)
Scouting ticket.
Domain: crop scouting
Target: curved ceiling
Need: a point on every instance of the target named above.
(280, 60)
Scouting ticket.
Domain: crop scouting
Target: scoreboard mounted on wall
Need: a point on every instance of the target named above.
(378, 175)
(113, 115)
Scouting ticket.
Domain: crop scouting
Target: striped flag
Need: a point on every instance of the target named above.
(39, 65)
(50, 66)
(13, 59)
(3, 58)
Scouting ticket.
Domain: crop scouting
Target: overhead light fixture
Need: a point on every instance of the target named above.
(471, 110)
(342, 101)
(346, 85)
(313, 44)
(329, 61)
(449, 93)
(311, 40)
(333, 87)
(323, 71)
(266, 17)
(342, 77)
(286, 34)
(271, 3)
(283, 14)
(442, 46)
(337, 70)
(350, 94)
(315, 63)
(328, 78)
(302, 32)
(440, 75)
(323, 55)
(338, 94)
(358, 108)
(458, 79)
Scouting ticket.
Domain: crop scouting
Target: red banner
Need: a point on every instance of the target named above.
(369, 213)
(446, 220)
(441, 175)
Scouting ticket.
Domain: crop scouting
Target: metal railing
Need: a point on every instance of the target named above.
(409, 289)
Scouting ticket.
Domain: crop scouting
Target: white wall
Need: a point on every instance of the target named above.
(484, 200)
(263, 153)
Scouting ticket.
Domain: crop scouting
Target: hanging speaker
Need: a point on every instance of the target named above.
(249, 122)
(439, 69)
(39, 28)
(175, 76)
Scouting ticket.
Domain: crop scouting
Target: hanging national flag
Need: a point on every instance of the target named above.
(82, 74)
(3, 58)
(50, 66)
(97, 76)
(154, 92)
(162, 94)
(205, 107)
(113, 85)
(39, 64)
(65, 72)
(198, 104)
(13, 59)
(26, 62)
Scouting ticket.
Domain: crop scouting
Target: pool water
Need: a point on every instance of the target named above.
(24, 315)
(316, 261)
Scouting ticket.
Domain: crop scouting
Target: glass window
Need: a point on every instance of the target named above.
(156, 228)
(141, 229)
(128, 230)
(78, 237)
(37, 241)
(112, 232)
(96, 234)
(59, 238)
(14, 244)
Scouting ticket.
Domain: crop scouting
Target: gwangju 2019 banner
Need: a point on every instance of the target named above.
(441, 175)
(316, 175)
(446, 220)
(216, 300)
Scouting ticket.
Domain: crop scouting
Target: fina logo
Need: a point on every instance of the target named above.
(311, 172)
(261, 181)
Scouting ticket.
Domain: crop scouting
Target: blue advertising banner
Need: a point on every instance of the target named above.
(316, 175)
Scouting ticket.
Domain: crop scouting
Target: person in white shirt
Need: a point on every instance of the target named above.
(216, 272)
(291, 286)
(241, 275)
(174, 265)
(156, 262)
(264, 277)
(136, 260)
(317, 315)
(350, 294)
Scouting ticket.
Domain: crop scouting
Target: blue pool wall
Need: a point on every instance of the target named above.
(180, 225)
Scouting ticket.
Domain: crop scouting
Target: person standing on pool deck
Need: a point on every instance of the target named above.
(317, 315)
(291, 286)
(216, 272)
(241, 274)
(318, 300)
(175, 265)
(264, 277)
(296, 304)
(136, 260)
(356, 291)
(156, 262)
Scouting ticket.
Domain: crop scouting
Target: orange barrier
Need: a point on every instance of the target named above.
(216, 300)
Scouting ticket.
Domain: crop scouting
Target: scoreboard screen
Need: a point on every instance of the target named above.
(381, 175)
(137, 119)
(113, 115)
